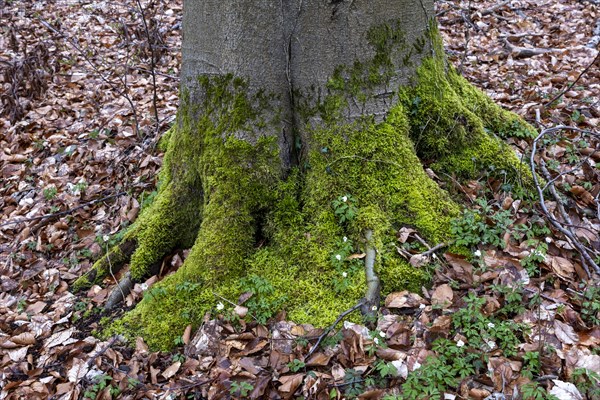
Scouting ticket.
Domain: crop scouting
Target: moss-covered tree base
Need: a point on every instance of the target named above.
(290, 237)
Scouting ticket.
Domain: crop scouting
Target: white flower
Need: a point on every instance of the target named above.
(344, 274)
(220, 306)
(374, 308)
(345, 199)
(460, 343)
(375, 340)
(144, 286)
(105, 238)
(345, 239)
(338, 257)
(422, 306)
(382, 334)
(548, 240)
(491, 325)
(477, 253)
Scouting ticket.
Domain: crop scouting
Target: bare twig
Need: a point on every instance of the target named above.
(563, 227)
(61, 213)
(332, 327)
(113, 86)
(152, 66)
(585, 70)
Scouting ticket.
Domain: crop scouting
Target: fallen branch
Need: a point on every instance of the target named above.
(564, 227)
(61, 213)
(332, 327)
(585, 70)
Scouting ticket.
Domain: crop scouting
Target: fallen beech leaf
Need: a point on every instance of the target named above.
(562, 267)
(565, 333)
(23, 339)
(419, 260)
(240, 311)
(172, 370)
(186, 334)
(19, 354)
(356, 256)
(442, 296)
(565, 391)
(78, 370)
(59, 338)
(289, 383)
(403, 299)
(318, 360)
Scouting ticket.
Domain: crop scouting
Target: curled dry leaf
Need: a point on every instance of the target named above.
(403, 299)
(442, 296)
(565, 391)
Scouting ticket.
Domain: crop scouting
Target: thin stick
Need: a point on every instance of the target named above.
(331, 327)
(61, 213)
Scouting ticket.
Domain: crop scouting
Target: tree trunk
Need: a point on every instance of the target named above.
(296, 150)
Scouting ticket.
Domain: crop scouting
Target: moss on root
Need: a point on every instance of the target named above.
(250, 222)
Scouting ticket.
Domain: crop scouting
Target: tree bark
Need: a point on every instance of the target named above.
(297, 147)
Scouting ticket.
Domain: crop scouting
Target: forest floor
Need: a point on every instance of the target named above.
(520, 318)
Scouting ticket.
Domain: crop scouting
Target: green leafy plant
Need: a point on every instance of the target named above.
(101, 382)
(353, 383)
(50, 192)
(590, 305)
(587, 381)
(240, 389)
(481, 225)
(451, 363)
(531, 364)
(345, 208)
(533, 391)
(296, 365)
(263, 304)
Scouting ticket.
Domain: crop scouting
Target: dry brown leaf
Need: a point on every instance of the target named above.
(442, 296)
(78, 370)
(565, 333)
(172, 370)
(289, 383)
(404, 299)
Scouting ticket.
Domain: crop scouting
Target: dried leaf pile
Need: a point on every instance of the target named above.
(79, 122)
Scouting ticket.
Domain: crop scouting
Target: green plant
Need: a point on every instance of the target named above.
(531, 364)
(536, 256)
(345, 208)
(301, 341)
(533, 391)
(296, 365)
(587, 381)
(101, 382)
(50, 192)
(590, 305)
(263, 304)
(353, 383)
(481, 225)
(483, 331)
(385, 369)
(21, 305)
(132, 383)
(241, 389)
(178, 341)
(332, 340)
(178, 357)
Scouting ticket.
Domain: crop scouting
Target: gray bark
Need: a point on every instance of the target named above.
(287, 46)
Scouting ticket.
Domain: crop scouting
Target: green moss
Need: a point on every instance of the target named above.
(454, 124)
(222, 188)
